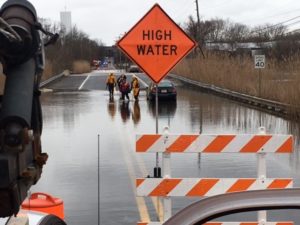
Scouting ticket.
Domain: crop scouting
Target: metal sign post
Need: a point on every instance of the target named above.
(259, 63)
(166, 163)
(259, 84)
(157, 169)
(262, 175)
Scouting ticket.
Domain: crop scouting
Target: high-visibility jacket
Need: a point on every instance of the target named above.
(135, 87)
(111, 79)
(135, 83)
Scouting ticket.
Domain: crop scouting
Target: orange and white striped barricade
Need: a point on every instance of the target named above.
(205, 187)
(259, 144)
(209, 143)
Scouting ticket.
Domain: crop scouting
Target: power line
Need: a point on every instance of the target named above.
(271, 16)
(288, 12)
(275, 25)
(296, 22)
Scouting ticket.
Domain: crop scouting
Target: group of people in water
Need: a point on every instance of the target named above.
(123, 85)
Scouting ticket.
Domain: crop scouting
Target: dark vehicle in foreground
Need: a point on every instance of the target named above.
(166, 90)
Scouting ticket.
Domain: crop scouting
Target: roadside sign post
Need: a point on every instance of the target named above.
(259, 62)
(156, 44)
(157, 170)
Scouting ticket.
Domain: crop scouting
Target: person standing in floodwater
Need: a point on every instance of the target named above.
(124, 88)
(120, 80)
(110, 84)
(135, 88)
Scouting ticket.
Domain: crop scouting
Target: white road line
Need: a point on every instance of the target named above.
(143, 82)
(140, 201)
(141, 164)
(85, 80)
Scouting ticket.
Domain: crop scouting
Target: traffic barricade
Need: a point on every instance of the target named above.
(167, 187)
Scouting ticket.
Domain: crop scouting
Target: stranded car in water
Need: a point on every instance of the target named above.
(166, 90)
(134, 69)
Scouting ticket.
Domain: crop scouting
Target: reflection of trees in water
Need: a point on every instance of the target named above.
(124, 110)
(61, 108)
(111, 107)
(218, 115)
(227, 115)
(136, 113)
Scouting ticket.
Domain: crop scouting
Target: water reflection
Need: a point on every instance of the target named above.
(165, 108)
(216, 115)
(111, 107)
(136, 114)
(211, 113)
(124, 110)
(59, 113)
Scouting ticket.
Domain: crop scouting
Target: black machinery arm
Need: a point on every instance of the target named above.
(22, 57)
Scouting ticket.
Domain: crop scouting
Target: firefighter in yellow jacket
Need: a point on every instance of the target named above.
(110, 84)
(135, 87)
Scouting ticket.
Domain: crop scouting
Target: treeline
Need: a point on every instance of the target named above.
(71, 47)
(224, 31)
(235, 70)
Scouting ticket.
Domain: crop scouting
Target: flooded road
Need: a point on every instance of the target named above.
(74, 119)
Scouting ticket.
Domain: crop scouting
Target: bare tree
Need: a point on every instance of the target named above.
(75, 45)
(217, 31)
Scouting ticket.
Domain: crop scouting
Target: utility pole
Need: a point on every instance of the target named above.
(198, 28)
(198, 17)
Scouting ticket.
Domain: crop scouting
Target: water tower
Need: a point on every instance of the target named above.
(66, 21)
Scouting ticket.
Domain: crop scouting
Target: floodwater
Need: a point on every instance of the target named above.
(73, 121)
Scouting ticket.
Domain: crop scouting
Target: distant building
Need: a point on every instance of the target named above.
(66, 21)
(249, 47)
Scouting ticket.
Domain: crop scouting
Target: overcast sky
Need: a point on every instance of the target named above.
(105, 20)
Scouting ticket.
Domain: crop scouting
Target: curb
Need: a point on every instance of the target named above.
(54, 78)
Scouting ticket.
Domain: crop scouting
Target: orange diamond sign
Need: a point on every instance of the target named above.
(156, 43)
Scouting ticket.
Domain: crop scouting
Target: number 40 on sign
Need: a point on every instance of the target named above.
(259, 61)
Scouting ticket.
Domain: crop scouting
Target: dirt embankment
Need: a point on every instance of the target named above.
(78, 67)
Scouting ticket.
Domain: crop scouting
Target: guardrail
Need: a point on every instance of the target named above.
(54, 78)
(264, 104)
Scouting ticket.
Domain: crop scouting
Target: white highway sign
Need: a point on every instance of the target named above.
(259, 61)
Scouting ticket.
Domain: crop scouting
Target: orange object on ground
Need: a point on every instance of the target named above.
(43, 202)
